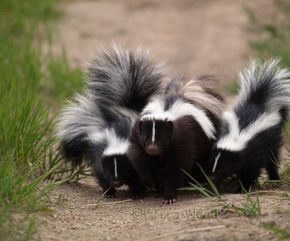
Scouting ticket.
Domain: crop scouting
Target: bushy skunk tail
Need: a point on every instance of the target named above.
(200, 91)
(119, 78)
(79, 128)
(265, 84)
(118, 86)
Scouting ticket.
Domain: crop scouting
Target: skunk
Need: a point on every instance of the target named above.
(95, 126)
(251, 130)
(175, 131)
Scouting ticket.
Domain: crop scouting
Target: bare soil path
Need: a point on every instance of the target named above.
(195, 38)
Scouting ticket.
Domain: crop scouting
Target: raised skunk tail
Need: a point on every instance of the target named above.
(266, 85)
(118, 86)
(119, 78)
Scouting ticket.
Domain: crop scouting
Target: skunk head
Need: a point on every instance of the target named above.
(155, 135)
(115, 163)
(116, 169)
(224, 163)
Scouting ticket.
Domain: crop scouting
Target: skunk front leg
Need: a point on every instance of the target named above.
(109, 191)
(135, 185)
(170, 191)
(272, 165)
(169, 183)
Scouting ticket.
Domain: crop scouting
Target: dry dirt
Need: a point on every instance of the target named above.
(194, 38)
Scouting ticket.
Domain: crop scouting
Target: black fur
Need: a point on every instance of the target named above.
(126, 175)
(179, 144)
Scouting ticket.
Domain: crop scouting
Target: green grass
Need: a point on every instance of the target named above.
(249, 206)
(27, 146)
(61, 80)
(279, 232)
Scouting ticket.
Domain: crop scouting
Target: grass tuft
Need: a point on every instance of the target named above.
(28, 158)
(249, 206)
(279, 232)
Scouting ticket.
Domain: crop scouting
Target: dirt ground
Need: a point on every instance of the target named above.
(194, 38)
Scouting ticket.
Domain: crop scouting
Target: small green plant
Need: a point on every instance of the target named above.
(279, 232)
(211, 191)
(249, 206)
(285, 176)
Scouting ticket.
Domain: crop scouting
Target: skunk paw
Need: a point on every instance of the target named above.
(168, 201)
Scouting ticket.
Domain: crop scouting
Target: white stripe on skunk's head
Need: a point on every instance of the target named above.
(224, 164)
(115, 167)
(155, 136)
(115, 144)
(153, 131)
(216, 161)
(155, 110)
(237, 139)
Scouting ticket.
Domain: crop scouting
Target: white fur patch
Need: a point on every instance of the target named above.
(155, 111)
(237, 139)
(153, 131)
(195, 92)
(115, 145)
(233, 122)
(96, 137)
(216, 161)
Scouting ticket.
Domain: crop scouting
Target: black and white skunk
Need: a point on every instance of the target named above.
(251, 132)
(175, 131)
(95, 126)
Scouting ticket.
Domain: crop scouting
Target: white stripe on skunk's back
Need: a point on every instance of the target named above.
(155, 111)
(236, 139)
(115, 144)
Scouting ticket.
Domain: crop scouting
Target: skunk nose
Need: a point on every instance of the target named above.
(152, 150)
(117, 183)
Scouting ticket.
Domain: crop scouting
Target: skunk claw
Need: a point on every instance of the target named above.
(110, 195)
(168, 201)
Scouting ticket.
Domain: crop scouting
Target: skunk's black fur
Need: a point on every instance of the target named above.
(251, 133)
(94, 127)
(175, 131)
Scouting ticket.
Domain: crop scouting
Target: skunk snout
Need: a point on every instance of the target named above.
(117, 183)
(152, 150)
